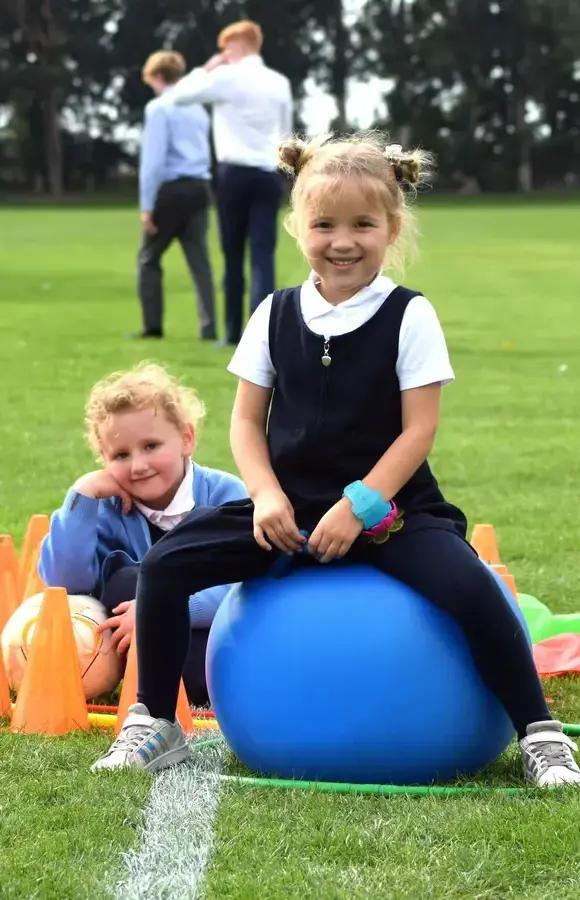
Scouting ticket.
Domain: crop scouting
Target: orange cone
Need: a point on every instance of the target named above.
(507, 578)
(129, 689)
(34, 583)
(484, 543)
(9, 598)
(5, 707)
(183, 711)
(510, 583)
(51, 699)
(38, 527)
(129, 694)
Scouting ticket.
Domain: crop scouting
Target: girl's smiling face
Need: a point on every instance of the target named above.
(345, 234)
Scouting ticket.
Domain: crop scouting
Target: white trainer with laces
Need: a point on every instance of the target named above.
(145, 743)
(547, 755)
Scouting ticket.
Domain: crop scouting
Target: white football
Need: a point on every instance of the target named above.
(101, 668)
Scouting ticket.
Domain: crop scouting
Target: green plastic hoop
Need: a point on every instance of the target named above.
(380, 790)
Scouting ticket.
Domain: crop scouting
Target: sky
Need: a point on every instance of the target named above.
(364, 101)
(364, 104)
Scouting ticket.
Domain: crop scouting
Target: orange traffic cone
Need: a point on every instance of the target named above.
(484, 543)
(38, 527)
(9, 598)
(51, 699)
(507, 578)
(129, 694)
(129, 689)
(183, 711)
(510, 583)
(5, 707)
(34, 583)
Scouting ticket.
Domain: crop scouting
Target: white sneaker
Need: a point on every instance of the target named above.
(145, 743)
(547, 755)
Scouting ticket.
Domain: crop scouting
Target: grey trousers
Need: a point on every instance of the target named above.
(190, 229)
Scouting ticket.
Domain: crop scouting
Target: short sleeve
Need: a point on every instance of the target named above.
(251, 360)
(423, 356)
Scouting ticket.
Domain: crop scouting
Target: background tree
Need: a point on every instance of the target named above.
(491, 86)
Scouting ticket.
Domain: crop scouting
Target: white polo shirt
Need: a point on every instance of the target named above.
(252, 109)
(423, 356)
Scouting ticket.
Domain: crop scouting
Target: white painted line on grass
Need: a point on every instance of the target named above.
(177, 834)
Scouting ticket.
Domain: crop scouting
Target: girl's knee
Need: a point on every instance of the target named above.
(457, 580)
(477, 590)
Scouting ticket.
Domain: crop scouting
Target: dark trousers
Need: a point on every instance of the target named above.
(122, 587)
(214, 544)
(181, 213)
(248, 201)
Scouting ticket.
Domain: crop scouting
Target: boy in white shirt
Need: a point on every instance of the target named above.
(252, 113)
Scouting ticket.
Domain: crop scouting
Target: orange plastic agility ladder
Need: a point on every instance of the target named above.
(51, 699)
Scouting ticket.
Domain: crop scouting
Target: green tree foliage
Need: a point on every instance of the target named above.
(491, 86)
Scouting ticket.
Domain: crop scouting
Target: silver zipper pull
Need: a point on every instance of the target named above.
(326, 359)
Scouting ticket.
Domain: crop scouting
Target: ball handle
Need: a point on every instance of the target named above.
(285, 561)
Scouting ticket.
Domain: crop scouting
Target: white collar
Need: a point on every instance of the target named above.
(314, 304)
(181, 504)
(254, 59)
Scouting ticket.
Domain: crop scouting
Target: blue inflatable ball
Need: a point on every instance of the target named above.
(341, 673)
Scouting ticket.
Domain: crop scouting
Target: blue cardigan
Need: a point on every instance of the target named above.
(91, 539)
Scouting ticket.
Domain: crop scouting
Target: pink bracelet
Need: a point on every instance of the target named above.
(385, 523)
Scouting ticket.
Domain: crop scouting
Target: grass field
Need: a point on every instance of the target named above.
(504, 278)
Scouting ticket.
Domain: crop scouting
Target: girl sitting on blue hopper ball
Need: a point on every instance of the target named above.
(336, 412)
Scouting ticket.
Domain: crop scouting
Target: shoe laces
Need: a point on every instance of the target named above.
(552, 753)
(131, 737)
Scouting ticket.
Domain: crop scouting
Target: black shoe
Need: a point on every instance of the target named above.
(146, 334)
(208, 336)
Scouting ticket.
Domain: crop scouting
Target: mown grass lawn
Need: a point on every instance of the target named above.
(504, 278)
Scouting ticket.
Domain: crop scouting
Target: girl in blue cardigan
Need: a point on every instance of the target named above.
(143, 424)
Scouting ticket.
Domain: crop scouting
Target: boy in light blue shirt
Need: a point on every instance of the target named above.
(174, 194)
(143, 424)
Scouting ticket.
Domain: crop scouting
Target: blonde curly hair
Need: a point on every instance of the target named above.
(146, 385)
(386, 172)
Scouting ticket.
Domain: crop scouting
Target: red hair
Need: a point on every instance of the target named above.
(246, 31)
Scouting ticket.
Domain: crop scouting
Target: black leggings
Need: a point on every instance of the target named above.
(216, 546)
(121, 587)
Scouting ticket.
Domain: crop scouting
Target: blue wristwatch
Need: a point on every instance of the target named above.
(368, 505)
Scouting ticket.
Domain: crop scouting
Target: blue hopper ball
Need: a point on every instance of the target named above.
(341, 673)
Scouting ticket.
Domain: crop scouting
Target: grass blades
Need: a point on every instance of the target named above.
(63, 830)
(504, 278)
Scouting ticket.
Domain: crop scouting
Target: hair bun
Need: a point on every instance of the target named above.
(408, 170)
(407, 167)
(291, 155)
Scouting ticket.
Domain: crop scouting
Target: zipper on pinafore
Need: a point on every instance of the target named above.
(326, 360)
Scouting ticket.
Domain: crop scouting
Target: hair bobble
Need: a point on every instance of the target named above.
(394, 155)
